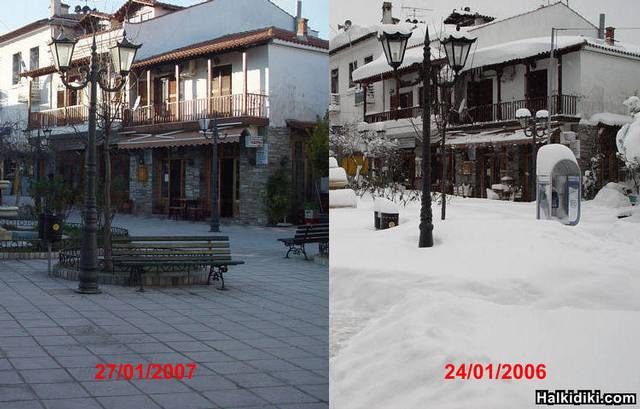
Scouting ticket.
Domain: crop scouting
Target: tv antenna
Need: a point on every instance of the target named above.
(415, 15)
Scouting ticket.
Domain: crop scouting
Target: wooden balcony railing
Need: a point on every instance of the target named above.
(66, 116)
(228, 106)
(505, 111)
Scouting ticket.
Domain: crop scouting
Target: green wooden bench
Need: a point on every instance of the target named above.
(166, 254)
(306, 234)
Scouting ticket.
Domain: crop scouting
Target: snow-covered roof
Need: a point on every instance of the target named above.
(379, 66)
(517, 50)
(354, 33)
(550, 155)
(487, 138)
(531, 47)
(607, 118)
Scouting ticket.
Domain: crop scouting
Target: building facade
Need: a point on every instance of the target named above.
(245, 63)
(484, 144)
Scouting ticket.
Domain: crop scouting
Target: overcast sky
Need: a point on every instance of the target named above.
(620, 13)
(17, 13)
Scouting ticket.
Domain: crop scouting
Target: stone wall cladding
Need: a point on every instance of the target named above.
(588, 137)
(253, 178)
(141, 193)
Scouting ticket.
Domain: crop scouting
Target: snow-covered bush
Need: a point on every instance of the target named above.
(612, 195)
(628, 142)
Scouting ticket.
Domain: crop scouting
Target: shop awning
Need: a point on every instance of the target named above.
(176, 138)
(488, 138)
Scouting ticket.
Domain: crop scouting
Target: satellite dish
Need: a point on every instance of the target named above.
(346, 26)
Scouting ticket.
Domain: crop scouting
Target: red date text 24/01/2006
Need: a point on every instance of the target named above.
(477, 371)
(128, 371)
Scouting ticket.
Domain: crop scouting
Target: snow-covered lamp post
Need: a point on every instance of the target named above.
(457, 47)
(530, 128)
(394, 39)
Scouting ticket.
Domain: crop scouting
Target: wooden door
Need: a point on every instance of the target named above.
(537, 90)
(480, 94)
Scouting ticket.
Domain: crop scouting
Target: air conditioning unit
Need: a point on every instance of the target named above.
(190, 69)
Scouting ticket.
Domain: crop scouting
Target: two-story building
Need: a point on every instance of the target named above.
(246, 63)
(510, 68)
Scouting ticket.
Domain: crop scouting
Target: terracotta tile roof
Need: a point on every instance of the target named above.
(230, 42)
(24, 29)
(222, 44)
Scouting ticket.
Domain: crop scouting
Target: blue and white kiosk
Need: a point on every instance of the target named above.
(558, 185)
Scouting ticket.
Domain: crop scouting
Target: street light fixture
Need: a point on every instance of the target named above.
(530, 128)
(394, 42)
(62, 50)
(209, 128)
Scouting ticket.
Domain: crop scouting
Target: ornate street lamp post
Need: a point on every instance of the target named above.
(209, 128)
(530, 128)
(122, 56)
(38, 144)
(394, 38)
(456, 47)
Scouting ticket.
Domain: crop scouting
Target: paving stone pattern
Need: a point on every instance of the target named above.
(262, 344)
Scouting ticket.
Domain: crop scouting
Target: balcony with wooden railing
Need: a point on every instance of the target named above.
(228, 106)
(557, 105)
(65, 116)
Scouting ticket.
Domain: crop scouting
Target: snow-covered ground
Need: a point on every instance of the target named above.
(498, 287)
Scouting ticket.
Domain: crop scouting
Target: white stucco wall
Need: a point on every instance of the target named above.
(298, 83)
(607, 80)
(350, 112)
(206, 21)
(11, 109)
(531, 25)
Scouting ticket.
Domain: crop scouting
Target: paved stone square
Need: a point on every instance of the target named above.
(262, 344)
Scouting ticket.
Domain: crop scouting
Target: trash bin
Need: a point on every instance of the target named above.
(385, 213)
(388, 220)
(49, 227)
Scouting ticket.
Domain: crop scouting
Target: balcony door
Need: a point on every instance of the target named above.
(537, 90)
(480, 98)
(221, 89)
(165, 93)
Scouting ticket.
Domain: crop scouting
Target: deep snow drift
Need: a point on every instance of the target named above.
(498, 287)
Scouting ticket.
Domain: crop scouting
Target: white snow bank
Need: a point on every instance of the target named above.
(342, 198)
(611, 195)
(383, 205)
(550, 155)
(497, 287)
(491, 195)
(337, 178)
(333, 163)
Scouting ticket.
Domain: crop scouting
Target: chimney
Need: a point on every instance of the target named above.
(55, 7)
(64, 8)
(610, 36)
(302, 29)
(601, 27)
(387, 17)
(302, 24)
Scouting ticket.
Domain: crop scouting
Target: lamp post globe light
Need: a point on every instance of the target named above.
(530, 128)
(122, 55)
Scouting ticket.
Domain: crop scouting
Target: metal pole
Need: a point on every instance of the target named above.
(89, 250)
(426, 216)
(49, 257)
(551, 73)
(215, 216)
(36, 168)
(534, 176)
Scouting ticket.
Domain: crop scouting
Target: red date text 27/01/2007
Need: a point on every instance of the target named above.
(128, 371)
(476, 371)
